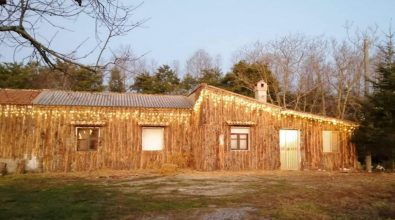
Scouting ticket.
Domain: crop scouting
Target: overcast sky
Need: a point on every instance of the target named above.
(177, 28)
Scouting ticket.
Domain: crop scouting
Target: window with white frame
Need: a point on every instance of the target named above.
(152, 138)
(330, 140)
(87, 138)
(239, 138)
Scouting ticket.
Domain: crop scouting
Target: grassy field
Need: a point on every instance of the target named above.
(195, 195)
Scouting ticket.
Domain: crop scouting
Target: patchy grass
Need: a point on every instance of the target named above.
(216, 195)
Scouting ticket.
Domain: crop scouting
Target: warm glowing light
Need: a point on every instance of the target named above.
(163, 116)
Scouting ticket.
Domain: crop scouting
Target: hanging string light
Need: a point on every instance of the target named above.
(252, 105)
(161, 116)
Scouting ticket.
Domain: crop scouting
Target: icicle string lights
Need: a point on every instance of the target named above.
(102, 114)
(247, 105)
(164, 115)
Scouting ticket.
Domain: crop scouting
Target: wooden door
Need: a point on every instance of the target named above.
(289, 149)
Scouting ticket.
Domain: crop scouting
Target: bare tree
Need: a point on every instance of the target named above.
(312, 87)
(314, 74)
(287, 55)
(25, 23)
(365, 42)
(199, 61)
(347, 73)
(128, 64)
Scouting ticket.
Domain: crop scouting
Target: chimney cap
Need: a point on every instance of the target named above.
(261, 84)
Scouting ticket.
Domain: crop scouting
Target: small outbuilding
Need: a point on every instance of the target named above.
(211, 129)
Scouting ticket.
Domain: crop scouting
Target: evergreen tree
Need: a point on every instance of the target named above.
(188, 83)
(244, 77)
(64, 76)
(143, 83)
(376, 134)
(16, 76)
(85, 80)
(211, 76)
(116, 83)
(232, 83)
(47, 78)
(164, 81)
(78, 79)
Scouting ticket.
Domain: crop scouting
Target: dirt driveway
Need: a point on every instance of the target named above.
(199, 195)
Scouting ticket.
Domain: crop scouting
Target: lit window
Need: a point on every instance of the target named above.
(239, 138)
(330, 141)
(87, 138)
(152, 138)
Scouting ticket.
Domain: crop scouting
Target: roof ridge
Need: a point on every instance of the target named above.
(112, 93)
(245, 97)
(86, 98)
(279, 107)
(11, 89)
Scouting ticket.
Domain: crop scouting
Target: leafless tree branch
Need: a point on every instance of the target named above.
(22, 23)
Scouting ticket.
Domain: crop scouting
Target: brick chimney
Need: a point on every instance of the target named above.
(261, 91)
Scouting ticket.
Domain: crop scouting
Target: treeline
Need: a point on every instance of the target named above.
(164, 80)
(317, 75)
(36, 76)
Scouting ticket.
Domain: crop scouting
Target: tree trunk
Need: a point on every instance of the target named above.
(3, 169)
(368, 162)
(366, 66)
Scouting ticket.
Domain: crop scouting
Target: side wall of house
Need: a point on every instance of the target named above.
(219, 110)
(48, 134)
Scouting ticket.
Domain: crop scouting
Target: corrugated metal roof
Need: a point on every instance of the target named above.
(68, 98)
(17, 96)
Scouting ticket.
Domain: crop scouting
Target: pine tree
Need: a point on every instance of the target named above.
(211, 76)
(167, 81)
(244, 76)
(143, 83)
(163, 81)
(188, 83)
(116, 83)
(376, 134)
(15, 76)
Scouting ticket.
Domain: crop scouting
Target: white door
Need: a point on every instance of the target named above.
(289, 149)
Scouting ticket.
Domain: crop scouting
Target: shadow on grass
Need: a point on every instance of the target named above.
(46, 198)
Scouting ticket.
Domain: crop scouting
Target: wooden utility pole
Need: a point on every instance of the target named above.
(366, 66)
(368, 156)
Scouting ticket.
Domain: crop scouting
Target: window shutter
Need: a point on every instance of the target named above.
(330, 140)
(335, 141)
(152, 138)
(326, 141)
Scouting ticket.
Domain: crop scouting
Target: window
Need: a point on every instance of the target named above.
(330, 141)
(239, 138)
(87, 138)
(152, 138)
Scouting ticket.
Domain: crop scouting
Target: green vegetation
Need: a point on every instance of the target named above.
(163, 81)
(35, 76)
(117, 81)
(376, 134)
(50, 198)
